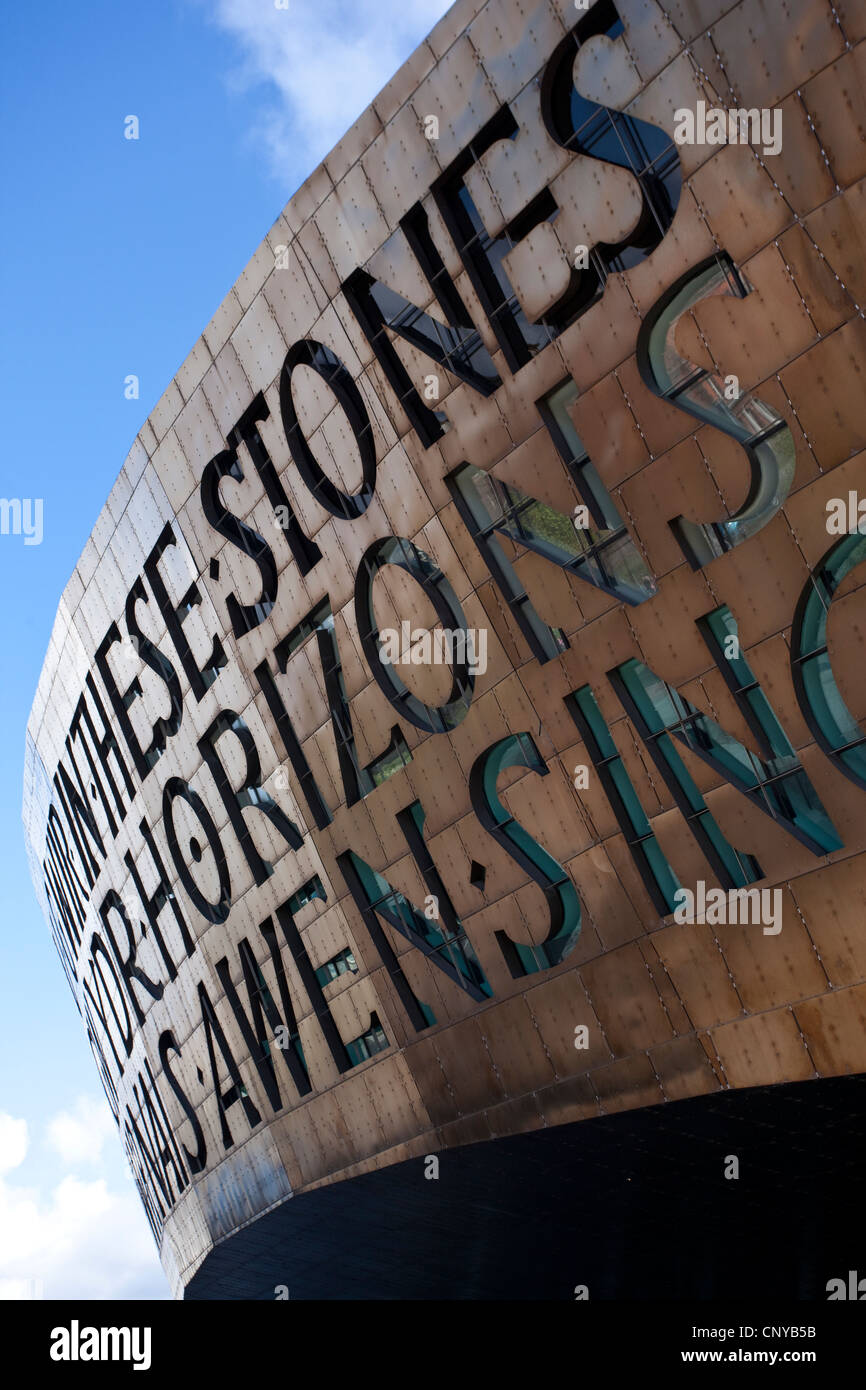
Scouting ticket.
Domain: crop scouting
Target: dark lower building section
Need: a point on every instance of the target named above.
(633, 1206)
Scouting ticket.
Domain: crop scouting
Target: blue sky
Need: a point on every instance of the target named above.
(115, 254)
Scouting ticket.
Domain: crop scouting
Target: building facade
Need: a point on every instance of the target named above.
(451, 731)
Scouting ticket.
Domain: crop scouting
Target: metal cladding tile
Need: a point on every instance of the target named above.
(398, 1100)
(512, 172)
(478, 1083)
(398, 268)
(621, 856)
(435, 774)
(602, 338)
(459, 94)
(760, 616)
(761, 1050)
(727, 457)
(520, 1116)
(535, 467)
(693, 955)
(514, 703)
(259, 344)
(737, 197)
(310, 196)
(596, 812)
(836, 104)
(650, 36)
(515, 42)
(452, 24)
(852, 19)
(550, 801)
(605, 72)
(470, 1129)
(661, 425)
(688, 242)
(519, 404)
(665, 629)
(771, 665)
(350, 148)
(711, 74)
(226, 388)
(197, 432)
(836, 232)
(447, 1001)
(290, 296)
(571, 1099)
(800, 169)
(515, 1047)
(226, 318)
(755, 336)
(676, 89)
(598, 203)
(502, 622)
(683, 1068)
(502, 875)
(605, 902)
(671, 1001)
(809, 509)
(834, 1030)
(825, 386)
(401, 164)
(763, 70)
(308, 1148)
(834, 922)
(478, 431)
(559, 1007)
(193, 369)
(677, 484)
(539, 268)
(251, 279)
(317, 256)
(401, 86)
(626, 1084)
(427, 1074)
(752, 830)
(691, 17)
(282, 239)
(347, 330)
(442, 545)
(773, 970)
(548, 587)
(609, 431)
(165, 411)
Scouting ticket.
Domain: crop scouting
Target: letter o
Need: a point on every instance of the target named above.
(835, 729)
(396, 550)
(308, 353)
(212, 912)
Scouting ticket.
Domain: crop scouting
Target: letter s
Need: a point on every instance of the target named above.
(519, 750)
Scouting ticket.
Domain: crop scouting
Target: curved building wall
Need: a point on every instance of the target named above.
(541, 360)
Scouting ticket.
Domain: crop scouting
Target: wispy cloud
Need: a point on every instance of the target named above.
(78, 1135)
(325, 61)
(81, 1239)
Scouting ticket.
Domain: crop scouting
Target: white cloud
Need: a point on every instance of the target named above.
(13, 1142)
(78, 1136)
(327, 60)
(80, 1240)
